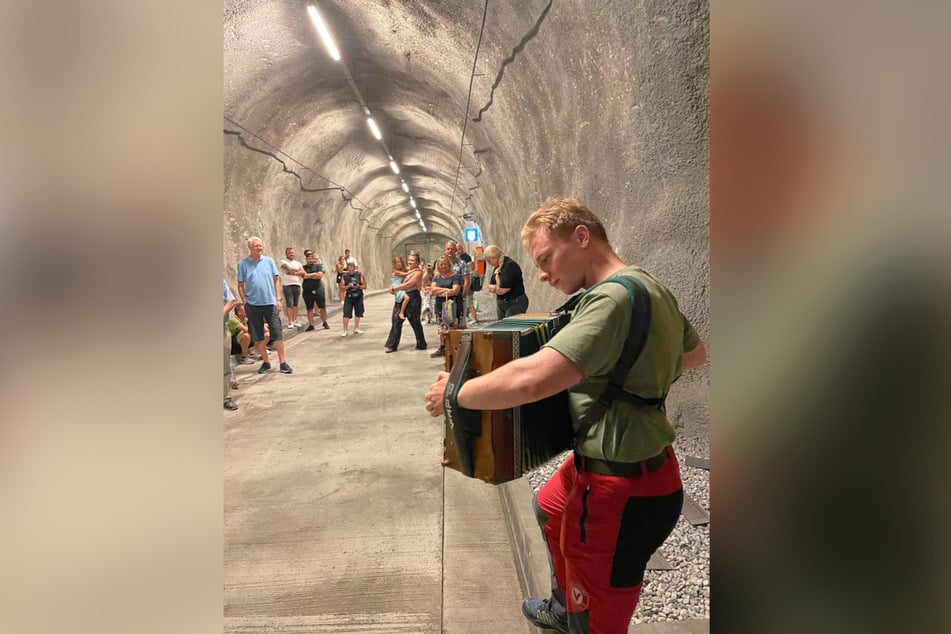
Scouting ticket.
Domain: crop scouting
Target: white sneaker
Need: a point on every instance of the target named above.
(357, 331)
(292, 324)
(344, 334)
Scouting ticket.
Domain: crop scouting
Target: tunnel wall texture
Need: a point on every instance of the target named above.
(603, 101)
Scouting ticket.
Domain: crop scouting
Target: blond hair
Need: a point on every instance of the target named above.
(559, 217)
(443, 260)
(492, 251)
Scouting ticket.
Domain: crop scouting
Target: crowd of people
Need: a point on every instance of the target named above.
(442, 293)
(253, 325)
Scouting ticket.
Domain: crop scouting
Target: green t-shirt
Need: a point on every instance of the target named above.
(233, 324)
(594, 339)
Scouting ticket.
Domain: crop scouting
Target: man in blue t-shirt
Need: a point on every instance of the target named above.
(259, 286)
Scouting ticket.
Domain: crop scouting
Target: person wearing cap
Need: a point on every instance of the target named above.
(506, 283)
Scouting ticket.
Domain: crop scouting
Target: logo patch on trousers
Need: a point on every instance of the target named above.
(579, 598)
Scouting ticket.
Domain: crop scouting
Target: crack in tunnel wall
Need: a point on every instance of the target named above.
(528, 37)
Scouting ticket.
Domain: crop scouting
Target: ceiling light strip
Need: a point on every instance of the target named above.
(324, 33)
(374, 129)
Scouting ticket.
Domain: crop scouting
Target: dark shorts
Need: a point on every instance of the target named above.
(291, 295)
(257, 315)
(315, 296)
(351, 305)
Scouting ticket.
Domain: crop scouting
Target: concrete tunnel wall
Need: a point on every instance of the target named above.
(604, 101)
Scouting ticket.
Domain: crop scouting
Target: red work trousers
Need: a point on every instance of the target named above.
(601, 530)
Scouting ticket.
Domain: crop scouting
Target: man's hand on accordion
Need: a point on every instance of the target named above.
(434, 396)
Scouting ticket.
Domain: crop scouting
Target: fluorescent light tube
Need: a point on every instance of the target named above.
(375, 130)
(324, 33)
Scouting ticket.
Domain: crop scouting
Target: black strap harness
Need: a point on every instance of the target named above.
(633, 346)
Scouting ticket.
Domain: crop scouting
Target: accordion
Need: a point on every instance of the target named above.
(500, 445)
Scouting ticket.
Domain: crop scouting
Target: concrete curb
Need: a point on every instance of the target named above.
(528, 546)
(531, 554)
(531, 558)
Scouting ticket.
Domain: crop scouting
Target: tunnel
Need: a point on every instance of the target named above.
(382, 127)
(486, 109)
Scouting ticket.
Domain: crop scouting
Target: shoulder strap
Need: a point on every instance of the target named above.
(569, 306)
(463, 424)
(633, 346)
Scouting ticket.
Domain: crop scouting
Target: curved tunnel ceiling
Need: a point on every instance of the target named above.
(605, 101)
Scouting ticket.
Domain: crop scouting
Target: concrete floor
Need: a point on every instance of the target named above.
(338, 515)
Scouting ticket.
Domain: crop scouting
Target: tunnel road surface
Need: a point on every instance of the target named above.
(338, 515)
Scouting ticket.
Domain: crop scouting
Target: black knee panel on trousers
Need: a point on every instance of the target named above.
(645, 524)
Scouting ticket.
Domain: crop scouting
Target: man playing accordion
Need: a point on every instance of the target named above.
(617, 498)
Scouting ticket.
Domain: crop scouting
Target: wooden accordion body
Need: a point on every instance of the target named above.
(500, 445)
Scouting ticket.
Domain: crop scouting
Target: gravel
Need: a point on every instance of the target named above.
(684, 592)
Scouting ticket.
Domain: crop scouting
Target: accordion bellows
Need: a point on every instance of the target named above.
(501, 445)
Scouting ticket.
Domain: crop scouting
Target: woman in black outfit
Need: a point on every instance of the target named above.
(506, 283)
(411, 284)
